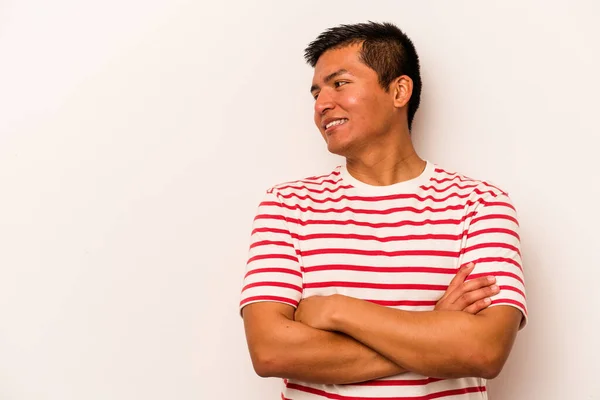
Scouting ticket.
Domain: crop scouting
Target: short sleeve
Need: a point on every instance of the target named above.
(273, 271)
(493, 244)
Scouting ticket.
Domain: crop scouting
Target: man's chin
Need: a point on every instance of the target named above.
(340, 149)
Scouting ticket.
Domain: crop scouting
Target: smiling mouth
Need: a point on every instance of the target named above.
(337, 122)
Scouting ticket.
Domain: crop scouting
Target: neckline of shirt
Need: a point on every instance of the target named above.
(401, 187)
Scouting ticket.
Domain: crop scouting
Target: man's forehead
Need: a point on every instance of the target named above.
(326, 74)
(334, 60)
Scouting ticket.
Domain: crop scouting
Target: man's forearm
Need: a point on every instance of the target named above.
(293, 350)
(438, 343)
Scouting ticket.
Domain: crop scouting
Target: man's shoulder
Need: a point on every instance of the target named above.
(311, 184)
(478, 188)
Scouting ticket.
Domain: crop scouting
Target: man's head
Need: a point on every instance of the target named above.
(366, 78)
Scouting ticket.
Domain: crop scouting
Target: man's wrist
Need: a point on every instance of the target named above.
(339, 311)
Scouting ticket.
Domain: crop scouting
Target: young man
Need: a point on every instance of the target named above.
(389, 277)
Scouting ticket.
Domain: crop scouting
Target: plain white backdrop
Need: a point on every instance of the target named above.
(137, 138)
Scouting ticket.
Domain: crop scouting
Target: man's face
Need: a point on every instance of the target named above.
(351, 109)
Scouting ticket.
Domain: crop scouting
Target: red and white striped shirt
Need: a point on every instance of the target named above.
(398, 246)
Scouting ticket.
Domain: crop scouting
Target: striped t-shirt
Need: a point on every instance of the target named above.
(397, 246)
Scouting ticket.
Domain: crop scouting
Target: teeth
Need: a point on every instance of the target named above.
(336, 122)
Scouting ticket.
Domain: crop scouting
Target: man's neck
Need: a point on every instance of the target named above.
(387, 164)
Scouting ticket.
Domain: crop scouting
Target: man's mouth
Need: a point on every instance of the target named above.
(336, 123)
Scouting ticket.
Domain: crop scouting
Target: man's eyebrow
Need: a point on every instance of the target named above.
(328, 78)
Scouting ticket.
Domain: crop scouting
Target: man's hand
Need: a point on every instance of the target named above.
(317, 311)
(471, 297)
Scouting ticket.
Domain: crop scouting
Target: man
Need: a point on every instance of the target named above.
(389, 277)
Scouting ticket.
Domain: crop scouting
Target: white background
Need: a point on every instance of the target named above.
(137, 138)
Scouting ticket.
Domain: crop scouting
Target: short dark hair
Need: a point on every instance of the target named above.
(385, 49)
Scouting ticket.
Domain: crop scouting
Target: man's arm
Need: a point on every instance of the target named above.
(279, 346)
(442, 344)
(282, 347)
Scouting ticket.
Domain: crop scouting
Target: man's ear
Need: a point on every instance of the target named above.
(401, 88)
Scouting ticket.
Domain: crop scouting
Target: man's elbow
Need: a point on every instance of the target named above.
(494, 348)
(491, 363)
(266, 364)
(490, 371)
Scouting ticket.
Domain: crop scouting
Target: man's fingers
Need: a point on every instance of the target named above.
(470, 298)
(470, 286)
(459, 278)
(461, 275)
(478, 306)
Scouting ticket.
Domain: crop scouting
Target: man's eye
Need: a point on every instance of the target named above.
(340, 83)
(315, 96)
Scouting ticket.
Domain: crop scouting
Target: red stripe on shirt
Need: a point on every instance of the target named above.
(496, 273)
(380, 224)
(445, 189)
(364, 268)
(512, 288)
(384, 239)
(499, 203)
(454, 175)
(491, 245)
(426, 253)
(494, 230)
(272, 284)
(495, 259)
(270, 230)
(278, 299)
(271, 242)
(296, 207)
(272, 256)
(510, 301)
(370, 285)
(436, 395)
(330, 190)
(273, 270)
(384, 198)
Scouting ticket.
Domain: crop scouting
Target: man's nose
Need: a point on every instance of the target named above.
(323, 103)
